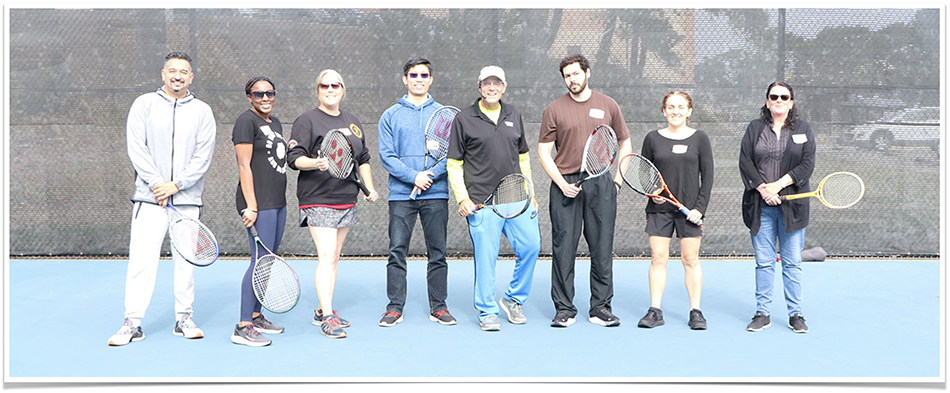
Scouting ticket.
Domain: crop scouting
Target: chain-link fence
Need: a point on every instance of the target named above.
(74, 74)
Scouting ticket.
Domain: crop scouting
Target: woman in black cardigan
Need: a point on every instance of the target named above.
(777, 157)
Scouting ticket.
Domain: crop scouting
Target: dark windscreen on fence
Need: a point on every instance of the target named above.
(868, 81)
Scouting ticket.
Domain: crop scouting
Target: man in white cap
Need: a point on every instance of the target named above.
(487, 143)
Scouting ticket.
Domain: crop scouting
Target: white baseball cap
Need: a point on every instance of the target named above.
(491, 71)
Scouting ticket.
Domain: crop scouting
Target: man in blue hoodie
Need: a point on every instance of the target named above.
(170, 139)
(413, 191)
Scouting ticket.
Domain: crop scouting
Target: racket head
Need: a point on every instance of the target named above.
(437, 132)
(600, 151)
(512, 196)
(275, 284)
(338, 151)
(840, 190)
(193, 241)
(640, 174)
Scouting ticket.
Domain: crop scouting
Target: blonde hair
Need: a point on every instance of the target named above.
(327, 71)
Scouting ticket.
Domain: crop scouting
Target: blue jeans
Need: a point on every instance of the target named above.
(790, 246)
(434, 214)
(485, 227)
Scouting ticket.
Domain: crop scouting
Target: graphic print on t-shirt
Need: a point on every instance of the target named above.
(276, 150)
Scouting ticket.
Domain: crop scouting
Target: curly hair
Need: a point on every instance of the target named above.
(571, 59)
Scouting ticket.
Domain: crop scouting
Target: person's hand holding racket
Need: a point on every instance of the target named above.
(163, 191)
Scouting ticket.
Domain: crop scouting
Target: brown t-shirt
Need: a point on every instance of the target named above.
(568, 123)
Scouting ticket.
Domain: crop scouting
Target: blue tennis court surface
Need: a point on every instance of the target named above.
(869, 320)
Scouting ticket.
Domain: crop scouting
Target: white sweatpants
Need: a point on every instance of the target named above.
(149, 227)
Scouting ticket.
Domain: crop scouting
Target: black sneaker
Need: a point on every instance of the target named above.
(318, 318)
(696, 320)
(562, 319)
(797, 323)
(759, 321)
(603, 317)
(653, 319)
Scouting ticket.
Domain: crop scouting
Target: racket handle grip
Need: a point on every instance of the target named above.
(253, 230)
(567, 201)
(412, 195)
(363, 188)
(686, 212)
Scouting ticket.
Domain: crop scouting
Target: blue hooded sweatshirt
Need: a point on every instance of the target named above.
(403, 153)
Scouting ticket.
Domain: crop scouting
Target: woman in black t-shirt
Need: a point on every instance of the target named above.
(327, 204)
(683, 156)
(260, 200)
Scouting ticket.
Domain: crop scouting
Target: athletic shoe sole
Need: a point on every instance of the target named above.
(434, 319)
(601, 322)
(797, 331)
(383, 324)
(243, 341)
(569, 322)
(759, 329)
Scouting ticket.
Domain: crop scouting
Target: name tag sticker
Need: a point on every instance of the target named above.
(680, 149)
(432, 144)
(509, 123)
(596, 113)
(799, 138)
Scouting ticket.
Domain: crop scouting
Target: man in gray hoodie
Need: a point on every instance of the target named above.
(170, 136)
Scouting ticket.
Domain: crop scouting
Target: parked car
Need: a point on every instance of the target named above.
(906, 127)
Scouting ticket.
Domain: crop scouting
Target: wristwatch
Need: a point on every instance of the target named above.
(178, 184)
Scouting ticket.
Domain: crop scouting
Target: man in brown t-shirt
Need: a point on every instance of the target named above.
(565, 126)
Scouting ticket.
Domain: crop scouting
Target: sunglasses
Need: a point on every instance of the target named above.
(775, 97)
(260, 94)
(414, 75)
(335, 85)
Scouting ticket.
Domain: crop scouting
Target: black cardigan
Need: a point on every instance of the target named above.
(798, 161)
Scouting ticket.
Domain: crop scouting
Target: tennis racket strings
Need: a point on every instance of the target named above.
(337, 150)
(277, 284)
(193, 241)
(641, 175)
(601, 151)
(510, 196)
(841, 190)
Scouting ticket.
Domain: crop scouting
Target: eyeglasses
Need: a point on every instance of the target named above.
(414, 75)
(495, 83)
(260, 94)
(335, 85)
(775, 97)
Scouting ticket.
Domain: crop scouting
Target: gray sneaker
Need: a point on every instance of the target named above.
(491, 324)
(696, 320)
(513, 309)
(797, 323)
(562, 319)
(262, 325)
(249, 336)
(318, 318)
(759, 321)
(653, 319)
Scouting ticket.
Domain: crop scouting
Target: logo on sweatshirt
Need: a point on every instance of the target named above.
(356, 131)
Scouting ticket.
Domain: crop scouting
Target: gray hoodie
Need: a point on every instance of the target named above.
(170, 140)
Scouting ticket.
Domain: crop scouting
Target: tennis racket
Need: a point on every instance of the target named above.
(190, 238)
(511, 197)
(437, 136)
(642, 176)
(600, 151)
(275, 283)
(837, 190)
(336, 147)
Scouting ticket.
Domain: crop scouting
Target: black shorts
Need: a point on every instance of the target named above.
(663, 224)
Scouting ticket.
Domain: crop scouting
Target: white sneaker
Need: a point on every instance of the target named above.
(187, 328)
(126, 334)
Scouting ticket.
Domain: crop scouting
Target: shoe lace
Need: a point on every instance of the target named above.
(188, 323)
(440, 313)
(252, 332)
(261, 321)
(332, 322)
(391, 314)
